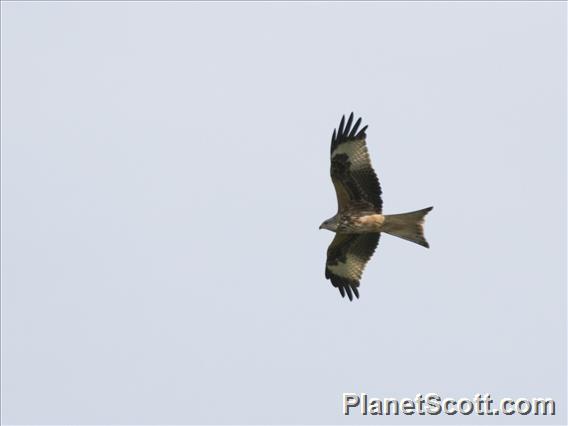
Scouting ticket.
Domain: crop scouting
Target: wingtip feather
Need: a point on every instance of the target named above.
(349, 294)
(348, 125)
(356, 292)
(341, 126)
(362, 131)
(355, 127)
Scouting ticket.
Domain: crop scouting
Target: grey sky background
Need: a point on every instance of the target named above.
(164, 172)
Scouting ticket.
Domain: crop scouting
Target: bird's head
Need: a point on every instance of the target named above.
(330, 224)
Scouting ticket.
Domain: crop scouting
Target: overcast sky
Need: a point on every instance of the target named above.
(165, 168)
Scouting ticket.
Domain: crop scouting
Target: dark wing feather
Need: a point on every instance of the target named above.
(347, 256)
(352, 174)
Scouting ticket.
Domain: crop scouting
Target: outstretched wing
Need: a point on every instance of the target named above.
(347, 256)
(352, 174)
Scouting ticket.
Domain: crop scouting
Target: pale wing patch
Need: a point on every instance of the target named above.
(357, 153)
(352, 268)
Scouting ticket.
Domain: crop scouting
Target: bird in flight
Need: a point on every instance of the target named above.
(360, 221)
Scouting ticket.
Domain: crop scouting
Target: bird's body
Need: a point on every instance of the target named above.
(359, 221)
(356, 222)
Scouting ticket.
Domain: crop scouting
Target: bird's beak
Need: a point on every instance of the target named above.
(321, 227)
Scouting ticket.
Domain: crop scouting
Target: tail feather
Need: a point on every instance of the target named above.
(408, 226)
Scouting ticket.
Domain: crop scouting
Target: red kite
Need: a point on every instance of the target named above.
(359, 221)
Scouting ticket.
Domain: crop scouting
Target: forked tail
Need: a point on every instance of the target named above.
(408, 226)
